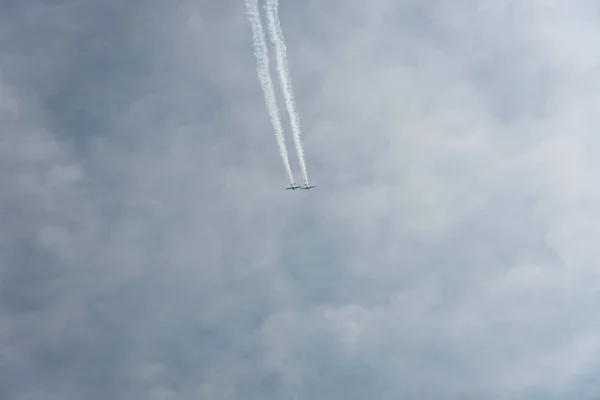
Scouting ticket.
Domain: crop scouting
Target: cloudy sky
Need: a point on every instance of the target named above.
(148, 249)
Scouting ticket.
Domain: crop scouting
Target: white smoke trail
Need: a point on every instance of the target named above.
(276, 36)
(261, 52)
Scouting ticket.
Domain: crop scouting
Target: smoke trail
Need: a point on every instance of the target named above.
(261, 53)
(276, 36)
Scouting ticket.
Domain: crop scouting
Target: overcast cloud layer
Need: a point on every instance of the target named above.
(148, 249)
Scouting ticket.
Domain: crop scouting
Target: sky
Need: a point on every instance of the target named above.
(148, 249)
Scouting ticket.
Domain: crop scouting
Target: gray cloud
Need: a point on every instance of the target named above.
(149, 250)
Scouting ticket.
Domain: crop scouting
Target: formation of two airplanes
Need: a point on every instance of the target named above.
(293, 186)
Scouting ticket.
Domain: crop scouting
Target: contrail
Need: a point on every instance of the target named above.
(276, 36)
(261, 52)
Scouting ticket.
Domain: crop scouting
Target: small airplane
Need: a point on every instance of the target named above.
(293, 186)
(307, 187)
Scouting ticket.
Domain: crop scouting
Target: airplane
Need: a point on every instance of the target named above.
(306, 187)
(293, 187)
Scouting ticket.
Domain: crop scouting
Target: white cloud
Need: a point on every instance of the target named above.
(449, 251)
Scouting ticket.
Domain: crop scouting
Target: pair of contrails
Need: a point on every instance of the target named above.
(261, 52)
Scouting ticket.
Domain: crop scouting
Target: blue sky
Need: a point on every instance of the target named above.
(148, 249)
